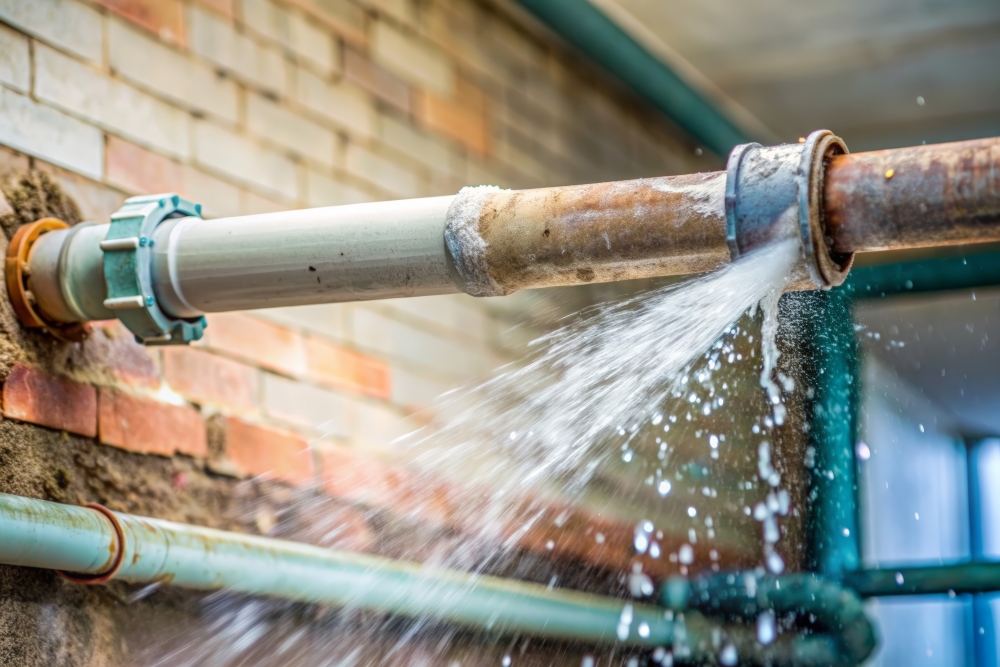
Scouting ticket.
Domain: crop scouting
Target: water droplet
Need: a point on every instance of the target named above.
(685, 554)
(599, 538)
(654, 550)
(663, 487)
(728, 656)
(766, 627)
(627, 455)
(692, 512)
(550, 545)
(588, 661)
(506, 661)
(644, 628)
(657, 419)
(713, 441)
(775, 564)
(862, 451)
(899, 578)
(920, 100)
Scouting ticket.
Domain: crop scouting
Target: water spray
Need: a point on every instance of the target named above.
(159, 266)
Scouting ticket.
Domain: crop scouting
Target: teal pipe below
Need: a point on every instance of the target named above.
(931, 580)
(38, 533)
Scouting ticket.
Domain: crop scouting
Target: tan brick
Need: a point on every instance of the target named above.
(170, 74)
(376, 426)
(304, 137)
(412, 59)
(259, 342)
(383, 172)
(243, 160)
(111, 350)
(321, 190)
(216, 38)
(338, 366)
(140, 171)
(458, 119)
(252, 203)
(209, 379)
(419, 147)
(255, 450)
(342, 16)
(343, 104)
(32, 395)
(164, 18)
(224, 7)
(50, 135)
(295, 32)
(328, 319)
(377, 81)
(414, 391)
(67, 24)
(441, 357)
(15, 62)
(147, 426)
(113, 105)
(404, 11)
(311, 408)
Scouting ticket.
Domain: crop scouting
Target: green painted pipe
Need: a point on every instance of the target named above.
(938, 579)
(38, 533)
(833, 609)
(584, 26)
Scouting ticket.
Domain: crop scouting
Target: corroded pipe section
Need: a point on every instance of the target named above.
(923, 196)
(502, 241)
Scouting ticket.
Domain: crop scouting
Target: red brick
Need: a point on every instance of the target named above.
(332, 364)
(376, 80)
(149, 426)
(268, 345)
(32, 395)
(139, 170)
(352, 476)
(165, 18)
(255, 450)
(462, 118)
(206, 378)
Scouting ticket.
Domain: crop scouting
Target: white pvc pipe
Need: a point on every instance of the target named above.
(322, 255)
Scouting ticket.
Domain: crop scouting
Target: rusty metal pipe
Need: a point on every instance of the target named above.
(923, 196)
(503, 241)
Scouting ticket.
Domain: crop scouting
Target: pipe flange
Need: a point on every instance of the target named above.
(825, 268)
(16, 269)
(116, 561)
(128, 258)
(775, 192)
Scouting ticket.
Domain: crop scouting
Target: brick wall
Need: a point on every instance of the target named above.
(250, 106)
(253, 105)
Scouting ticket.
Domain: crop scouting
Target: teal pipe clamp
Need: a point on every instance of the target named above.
(128, 257)
(835, 630)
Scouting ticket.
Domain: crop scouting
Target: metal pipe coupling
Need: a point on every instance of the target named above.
(775, 192)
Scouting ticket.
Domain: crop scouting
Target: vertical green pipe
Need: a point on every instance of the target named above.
(833, 512)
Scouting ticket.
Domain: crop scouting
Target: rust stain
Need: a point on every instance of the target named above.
(943, 194)
(606, 231)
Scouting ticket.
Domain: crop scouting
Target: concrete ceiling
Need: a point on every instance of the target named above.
(856, 67)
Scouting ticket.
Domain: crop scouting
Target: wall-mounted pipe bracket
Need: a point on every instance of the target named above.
(128, 259)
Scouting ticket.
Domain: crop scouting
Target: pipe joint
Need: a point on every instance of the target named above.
(774, 192)
(128, 270)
